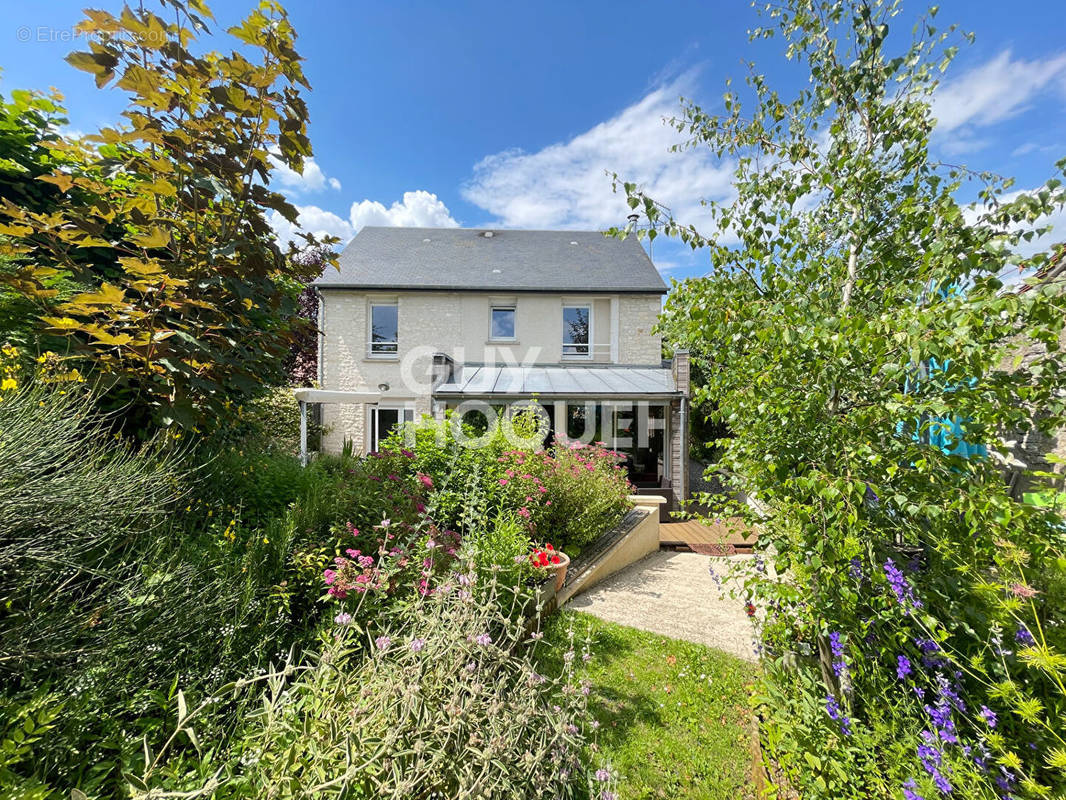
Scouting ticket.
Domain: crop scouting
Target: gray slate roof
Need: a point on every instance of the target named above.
(509, 260)
(488, 381)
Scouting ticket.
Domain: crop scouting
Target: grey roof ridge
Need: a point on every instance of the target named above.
(390, 287)
(483, 228)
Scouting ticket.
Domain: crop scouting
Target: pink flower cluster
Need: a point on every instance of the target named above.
(356, 573)
(535, 475)
(359, 572)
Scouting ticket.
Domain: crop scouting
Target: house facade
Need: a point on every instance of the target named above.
(483, 322)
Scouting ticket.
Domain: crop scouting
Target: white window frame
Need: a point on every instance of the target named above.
(370, 343)
(513, 308)
(586, 356)
(405, 413)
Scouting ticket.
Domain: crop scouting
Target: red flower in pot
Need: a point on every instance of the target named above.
(548, 557)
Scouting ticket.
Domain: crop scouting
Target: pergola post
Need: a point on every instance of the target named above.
(303, 433)
(306, 394)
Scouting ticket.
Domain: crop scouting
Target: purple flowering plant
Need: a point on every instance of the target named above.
(442, 684)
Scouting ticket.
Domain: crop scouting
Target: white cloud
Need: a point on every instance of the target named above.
(71, 133)
(567, 185)
(311, 219)
(964, 142)
(418, 209)
(312, 179)
(1033, 147)
(668, 266)
(997, 90)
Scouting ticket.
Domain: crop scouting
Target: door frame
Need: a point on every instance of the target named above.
(405, 412)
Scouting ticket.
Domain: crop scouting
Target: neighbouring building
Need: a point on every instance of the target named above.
(1034, 450)
(421, 320)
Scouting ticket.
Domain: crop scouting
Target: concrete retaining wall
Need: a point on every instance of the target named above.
(635, 537)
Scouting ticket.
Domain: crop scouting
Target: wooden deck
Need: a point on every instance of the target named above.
(717, 538)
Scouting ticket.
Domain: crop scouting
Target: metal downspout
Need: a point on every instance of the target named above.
(303, 434)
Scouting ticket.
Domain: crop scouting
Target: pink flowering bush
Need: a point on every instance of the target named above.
(373, 549)
(406, 559)
(357, 573)
(570, 495)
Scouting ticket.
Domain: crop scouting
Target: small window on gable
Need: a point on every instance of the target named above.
(384, 329)
(577, 325)
(502, 323)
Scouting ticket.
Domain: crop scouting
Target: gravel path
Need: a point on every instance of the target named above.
(674, 595)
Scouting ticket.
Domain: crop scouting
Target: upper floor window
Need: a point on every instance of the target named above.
(384, 329)
(502, 323)
(577, 325)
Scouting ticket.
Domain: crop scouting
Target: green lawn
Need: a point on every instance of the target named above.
(673, 715)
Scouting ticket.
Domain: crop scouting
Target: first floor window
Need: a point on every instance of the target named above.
(501, 323)
(384, 329)
(577, 321)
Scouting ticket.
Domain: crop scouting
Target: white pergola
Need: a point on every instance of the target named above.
(309, 395)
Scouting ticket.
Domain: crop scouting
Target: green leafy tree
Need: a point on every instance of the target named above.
(29, 122)
(856, 337)
(189, 304)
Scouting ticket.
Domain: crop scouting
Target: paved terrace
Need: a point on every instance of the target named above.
(674, 594)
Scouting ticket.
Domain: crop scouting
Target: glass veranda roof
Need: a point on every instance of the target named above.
(559, 381)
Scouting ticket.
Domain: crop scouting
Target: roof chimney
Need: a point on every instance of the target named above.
(632, 223)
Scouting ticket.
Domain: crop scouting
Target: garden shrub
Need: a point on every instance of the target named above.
(569, 496)
(459, 473)
(378, 505)
(500, 549)
(200, 566)
(866, 356)
(75, 508)
(270, 421)
(126, 569)
(442, 700)
(253, 483)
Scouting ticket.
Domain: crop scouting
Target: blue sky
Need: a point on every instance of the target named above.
(508, 114)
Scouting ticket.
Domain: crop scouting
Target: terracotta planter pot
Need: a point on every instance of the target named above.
(559, 569)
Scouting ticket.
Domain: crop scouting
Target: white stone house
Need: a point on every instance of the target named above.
(420, 320)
